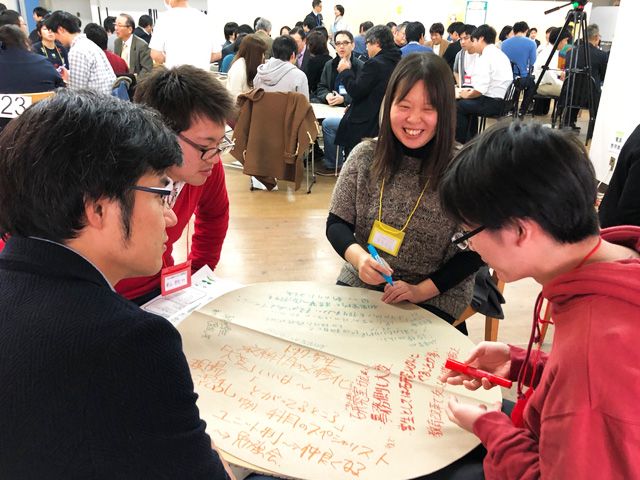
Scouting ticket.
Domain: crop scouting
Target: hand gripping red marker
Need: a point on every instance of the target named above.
(456, 366)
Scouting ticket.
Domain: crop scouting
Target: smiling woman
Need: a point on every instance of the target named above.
(387, 196)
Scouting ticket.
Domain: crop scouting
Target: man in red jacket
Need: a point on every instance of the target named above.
(579, 416)
(196, 107)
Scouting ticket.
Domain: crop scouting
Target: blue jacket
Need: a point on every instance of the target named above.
(415, 47)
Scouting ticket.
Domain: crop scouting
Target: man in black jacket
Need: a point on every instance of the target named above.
(92, 386)
(599, 60)
(367, 89)
(331, 90)
(454, 30)
(315, 17)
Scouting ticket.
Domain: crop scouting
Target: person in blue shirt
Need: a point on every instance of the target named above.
(520, 49)
(415, 39)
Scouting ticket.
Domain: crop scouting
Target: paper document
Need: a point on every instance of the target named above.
(205, 286)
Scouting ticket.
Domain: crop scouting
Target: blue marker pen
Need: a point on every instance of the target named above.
(377, 258)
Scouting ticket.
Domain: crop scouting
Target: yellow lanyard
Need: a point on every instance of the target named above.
(412, 212)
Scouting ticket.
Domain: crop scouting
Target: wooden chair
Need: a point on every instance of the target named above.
(490, 324)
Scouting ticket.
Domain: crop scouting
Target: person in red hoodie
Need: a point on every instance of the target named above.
(196, 107)
(526, 196)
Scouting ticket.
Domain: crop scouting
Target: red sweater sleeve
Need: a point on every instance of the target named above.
(512, 453)
(211, 222)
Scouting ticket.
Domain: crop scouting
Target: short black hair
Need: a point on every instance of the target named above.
(58, 19)
(3, 7)
(467, 29)
(559, 32)
(485, 31)
(12, 36)
(300, 31)
(72, 149)
(414, 31)
(183, 94)
(520, 27)
(340, 8)
(97, 35)
(40, 11)
(364, 26)
(229, 29)
(145, 21)
(310, 23)
(517, 171)
(9, 17)
(315, 3)
(323, 31)
(392, 24)
(109, 24)
(343, 32)
(244, 28)
(506, 30)
(457, 27)
(283, 47)
(437, 28)
(380, 34)
(238, 40)
(40, 24)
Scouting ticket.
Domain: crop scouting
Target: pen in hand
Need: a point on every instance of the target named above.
(376, 257)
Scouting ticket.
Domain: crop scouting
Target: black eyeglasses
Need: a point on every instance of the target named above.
(163, 192)
(461, 239)
(342, 44)
(209, 153)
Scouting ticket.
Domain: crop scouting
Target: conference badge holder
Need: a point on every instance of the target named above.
(386, 238)
(175, 278)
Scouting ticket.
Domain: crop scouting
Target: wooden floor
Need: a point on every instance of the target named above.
(280, 236)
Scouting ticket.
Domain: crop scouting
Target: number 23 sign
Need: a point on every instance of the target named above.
(12, 106)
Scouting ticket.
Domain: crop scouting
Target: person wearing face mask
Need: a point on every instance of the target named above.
(387, 196)
(182, 36)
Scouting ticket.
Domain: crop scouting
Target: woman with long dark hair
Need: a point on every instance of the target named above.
(317, 46)
(387, 196)
(244, 67)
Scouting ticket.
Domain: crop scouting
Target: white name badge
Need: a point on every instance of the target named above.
(386, 238)
(12, 106)
(342, 90)
(467, 80)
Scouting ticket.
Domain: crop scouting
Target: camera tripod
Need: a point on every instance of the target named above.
(576, 78)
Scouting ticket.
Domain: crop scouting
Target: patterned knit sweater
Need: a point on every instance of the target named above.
(427, 242)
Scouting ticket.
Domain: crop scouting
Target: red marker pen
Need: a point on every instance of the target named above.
(456, 366)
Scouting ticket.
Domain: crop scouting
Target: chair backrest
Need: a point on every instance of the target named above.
(12, 105)
(511, 97)
(581, 82)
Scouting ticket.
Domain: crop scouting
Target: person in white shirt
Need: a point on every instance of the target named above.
(465, 60)
(182, 36)
(244, 67)
(552, 79)
(492, 76)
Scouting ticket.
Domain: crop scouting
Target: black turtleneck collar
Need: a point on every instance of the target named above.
(422, 152)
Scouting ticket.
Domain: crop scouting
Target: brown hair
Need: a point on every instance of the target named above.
(317, 43)
(435, 74)
(252, 49)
